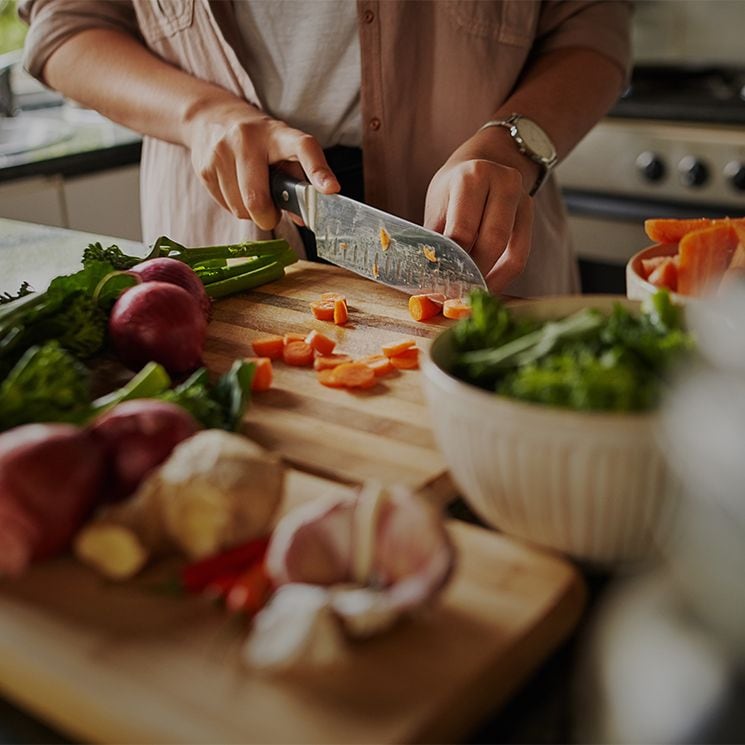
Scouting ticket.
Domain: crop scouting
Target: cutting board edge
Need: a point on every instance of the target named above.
(521, 660)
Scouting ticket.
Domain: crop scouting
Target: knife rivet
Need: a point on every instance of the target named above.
(368, 16)
(375, 124)
(285, 195)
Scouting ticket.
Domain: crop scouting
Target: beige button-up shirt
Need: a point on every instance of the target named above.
(423, 94)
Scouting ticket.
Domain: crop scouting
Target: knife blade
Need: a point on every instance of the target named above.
(377, 245)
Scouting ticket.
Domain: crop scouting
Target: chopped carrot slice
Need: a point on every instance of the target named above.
(354, 375)
(320, 343)
(422, 307)
(269, 346)
(704, 257)
(293, 336)
(298, 353)
(262, 380)
(341, 312)
(323, 310)
(430, 254)
(407, 360)
(329, 361)
(331, 296)
(396, 347)
(665, 275)
(663, 230)
(329, 379)
(456, 308)
(379, 363)
(649, 265)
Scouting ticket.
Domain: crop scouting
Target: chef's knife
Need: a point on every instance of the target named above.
(377, 245)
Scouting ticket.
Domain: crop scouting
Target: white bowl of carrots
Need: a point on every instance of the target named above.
(593, 485)
(690, 258)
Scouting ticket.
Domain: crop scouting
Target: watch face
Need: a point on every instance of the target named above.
(535, 138)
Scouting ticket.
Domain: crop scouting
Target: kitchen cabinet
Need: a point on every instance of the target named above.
(37, 199)
(106, 202)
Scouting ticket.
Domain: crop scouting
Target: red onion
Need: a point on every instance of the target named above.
(175, 272)
(50, 478)
(137, 436)
(160, 322)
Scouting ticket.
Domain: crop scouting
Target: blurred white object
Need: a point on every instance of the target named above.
(669, 647)
(593, 485)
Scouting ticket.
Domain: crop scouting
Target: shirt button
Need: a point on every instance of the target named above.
(368, 16)
(375, 124)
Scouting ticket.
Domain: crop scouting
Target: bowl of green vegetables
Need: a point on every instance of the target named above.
(546, 413)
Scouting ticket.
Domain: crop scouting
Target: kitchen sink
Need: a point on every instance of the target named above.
(23, 133)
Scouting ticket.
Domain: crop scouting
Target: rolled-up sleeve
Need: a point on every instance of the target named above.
(603, 26)
(53, 22)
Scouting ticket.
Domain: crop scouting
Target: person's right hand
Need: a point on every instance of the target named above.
(232, 146)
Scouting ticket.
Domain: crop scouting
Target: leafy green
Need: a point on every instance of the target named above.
(47, 385)
(586, 361)
(221, 406)
(23, 290)
(112, 255)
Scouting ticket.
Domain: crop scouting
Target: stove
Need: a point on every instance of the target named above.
(673, 146)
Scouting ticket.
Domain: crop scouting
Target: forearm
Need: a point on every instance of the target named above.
(116, 75)
(566, 91)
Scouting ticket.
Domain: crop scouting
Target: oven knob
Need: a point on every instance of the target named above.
(734, 172)
(651, 166)
(693, 172)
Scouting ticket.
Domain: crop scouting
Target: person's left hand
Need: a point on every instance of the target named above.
(479, 198)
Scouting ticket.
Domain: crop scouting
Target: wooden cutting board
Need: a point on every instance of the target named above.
(119, 663)
(383, 433)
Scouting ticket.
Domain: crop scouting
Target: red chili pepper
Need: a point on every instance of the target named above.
(250, 591)
(198, 575)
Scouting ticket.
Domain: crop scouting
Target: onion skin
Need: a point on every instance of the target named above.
(158, 322)
(178, 273)
(51, 477)
(137, 436)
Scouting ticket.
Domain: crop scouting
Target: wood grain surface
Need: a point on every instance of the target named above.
(123, 663)
(382, 433)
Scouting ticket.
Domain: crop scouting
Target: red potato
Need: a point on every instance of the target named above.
(158, 322)
(137, 436)
(178, 273)
(50, 478)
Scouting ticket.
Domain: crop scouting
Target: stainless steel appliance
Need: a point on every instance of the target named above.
(673, 146)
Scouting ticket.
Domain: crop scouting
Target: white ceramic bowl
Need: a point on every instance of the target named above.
(592, 485)
(638, 288)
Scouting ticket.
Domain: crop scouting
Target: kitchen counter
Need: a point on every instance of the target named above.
(93, 144)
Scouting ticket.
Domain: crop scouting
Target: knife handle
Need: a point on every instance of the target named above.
(284, 191)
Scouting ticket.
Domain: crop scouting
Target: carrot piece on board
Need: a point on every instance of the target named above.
(323, 310)
(665, 275)
(649, 265)
(262, 379)
(354, 375)
(269, 346)
(341, 312)
(298, 353)
(291, 336)
(320, 342)
(331, 296)
(328, 378)
(329, 361)
(672, 231)
(422, 307)
(456, 308)
(379, 363)
(407, 360)
(396, 347)
(704, 257)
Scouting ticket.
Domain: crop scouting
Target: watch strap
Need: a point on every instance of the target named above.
(544, 164)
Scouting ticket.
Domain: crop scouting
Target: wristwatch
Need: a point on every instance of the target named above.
(531, 141)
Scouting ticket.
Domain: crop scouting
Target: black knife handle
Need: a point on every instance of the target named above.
(284, 193)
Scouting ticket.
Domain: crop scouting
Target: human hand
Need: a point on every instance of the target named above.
(480, 199)
(232, 146)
